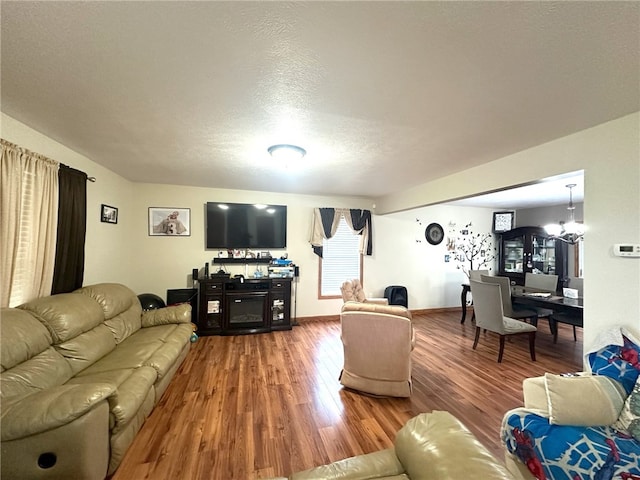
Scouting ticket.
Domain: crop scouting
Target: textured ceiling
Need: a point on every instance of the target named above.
(382, 95)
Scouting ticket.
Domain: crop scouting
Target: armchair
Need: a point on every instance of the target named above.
(377, 342)
(352, 291)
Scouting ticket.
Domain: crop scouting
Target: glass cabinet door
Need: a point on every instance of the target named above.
(543, 255)
(513, 255)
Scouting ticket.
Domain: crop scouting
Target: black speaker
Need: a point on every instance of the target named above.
(397, 295)
(296, 271)
(185, 295)
(194, 276)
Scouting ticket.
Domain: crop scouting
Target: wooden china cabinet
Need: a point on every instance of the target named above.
(531, 249)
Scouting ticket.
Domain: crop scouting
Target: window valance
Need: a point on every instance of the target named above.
(326, 220)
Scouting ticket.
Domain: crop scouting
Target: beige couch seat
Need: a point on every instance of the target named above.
(80, 374)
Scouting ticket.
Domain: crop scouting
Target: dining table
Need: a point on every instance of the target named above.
(557, 303)
(565, 310)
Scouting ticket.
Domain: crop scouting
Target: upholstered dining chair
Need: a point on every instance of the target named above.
(540, 282)
(352, 291)
(507, 306)
(476, 274)
(490, 316)
(559, 317)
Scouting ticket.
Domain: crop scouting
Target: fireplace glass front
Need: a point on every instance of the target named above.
(247, 309)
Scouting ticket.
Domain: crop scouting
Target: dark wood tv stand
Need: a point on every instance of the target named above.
(229, 306)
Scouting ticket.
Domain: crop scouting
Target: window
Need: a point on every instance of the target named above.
(341, 260)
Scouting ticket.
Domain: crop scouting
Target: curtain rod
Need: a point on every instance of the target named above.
(91, 179)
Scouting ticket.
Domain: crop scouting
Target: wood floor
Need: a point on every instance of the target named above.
(255, 406)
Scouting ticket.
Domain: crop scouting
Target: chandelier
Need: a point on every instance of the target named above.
(570, 231)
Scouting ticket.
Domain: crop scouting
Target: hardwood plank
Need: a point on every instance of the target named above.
(255, 406)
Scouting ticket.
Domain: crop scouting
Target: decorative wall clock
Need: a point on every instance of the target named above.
(434, 233)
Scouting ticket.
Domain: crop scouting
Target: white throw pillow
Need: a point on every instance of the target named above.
(585, 400)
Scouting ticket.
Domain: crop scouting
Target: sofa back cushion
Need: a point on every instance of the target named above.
(29, 362)
(76, 325)
(120, 306)
(65, 315)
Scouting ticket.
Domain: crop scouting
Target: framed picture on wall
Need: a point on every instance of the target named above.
(169, 221)
(108, 214)
(503, 221)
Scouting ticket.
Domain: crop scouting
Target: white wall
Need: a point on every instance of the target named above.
(405, 258)
(609, 154)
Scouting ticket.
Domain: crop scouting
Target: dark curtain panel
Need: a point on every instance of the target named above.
(72, 227)
(327, 215)
(361, 219)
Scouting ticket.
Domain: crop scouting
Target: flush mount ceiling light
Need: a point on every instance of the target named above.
(571, 231)
(285, 152)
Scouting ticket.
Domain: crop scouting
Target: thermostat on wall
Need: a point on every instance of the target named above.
(626, 250)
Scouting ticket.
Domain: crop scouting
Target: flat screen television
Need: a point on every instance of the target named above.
(240, 225)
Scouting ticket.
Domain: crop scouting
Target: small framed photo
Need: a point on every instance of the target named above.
(174, 222)
(108, 214)
(447, 258)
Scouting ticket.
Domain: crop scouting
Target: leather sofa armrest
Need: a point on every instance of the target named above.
(381, 464)
(168, 315)
(50, 408)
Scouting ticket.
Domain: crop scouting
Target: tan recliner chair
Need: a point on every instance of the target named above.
(377, 342)
(352, 291)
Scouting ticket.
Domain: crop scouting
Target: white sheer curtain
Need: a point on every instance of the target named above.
(28, 224)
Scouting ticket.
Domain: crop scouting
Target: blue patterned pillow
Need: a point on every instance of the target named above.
(621, 363)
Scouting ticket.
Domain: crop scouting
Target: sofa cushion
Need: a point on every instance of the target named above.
(165, 357)
(120, 305)
(22, 337)
(588, 400)
(65, 315)
(87, 348)
(565, 452)
(629, 420)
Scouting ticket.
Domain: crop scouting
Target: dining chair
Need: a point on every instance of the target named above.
(476, 274)
(490, 316)
(559, 317)
(540, 282)
(507, 306)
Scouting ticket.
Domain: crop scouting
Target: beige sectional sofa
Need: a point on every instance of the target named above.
(80, 373)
